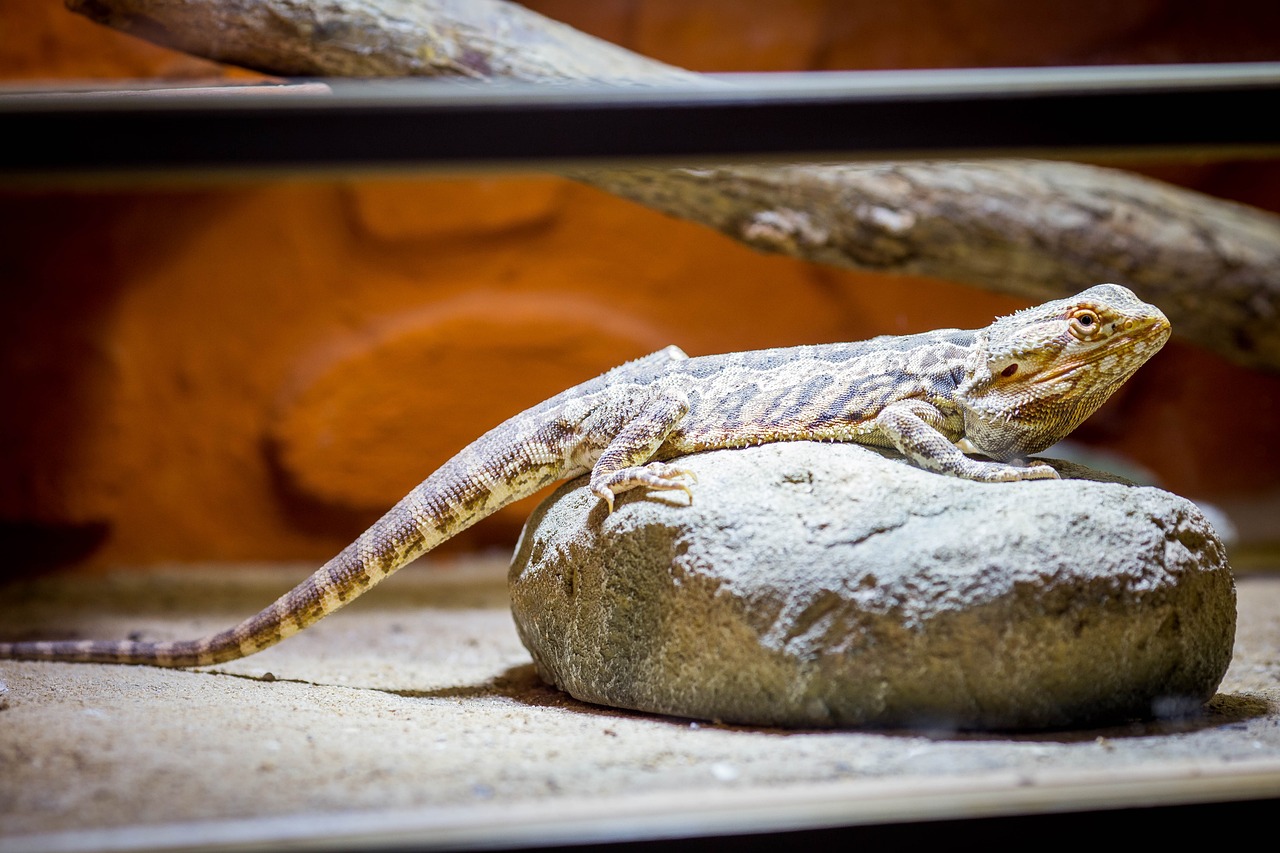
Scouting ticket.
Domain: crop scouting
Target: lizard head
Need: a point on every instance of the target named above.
(1035, 375)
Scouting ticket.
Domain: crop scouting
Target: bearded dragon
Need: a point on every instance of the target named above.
(1010, 389)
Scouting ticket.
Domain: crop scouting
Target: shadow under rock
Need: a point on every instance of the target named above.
(1222, 711)
(522, 684)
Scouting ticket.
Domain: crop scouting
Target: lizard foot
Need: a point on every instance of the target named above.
(655, 475)
(1001, 472)
(1040, 471)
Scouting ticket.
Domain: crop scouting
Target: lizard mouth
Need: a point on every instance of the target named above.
(1128, 350)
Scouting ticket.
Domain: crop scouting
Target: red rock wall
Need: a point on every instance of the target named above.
(255, 371)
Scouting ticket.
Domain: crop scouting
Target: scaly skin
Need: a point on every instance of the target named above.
(1013, 388)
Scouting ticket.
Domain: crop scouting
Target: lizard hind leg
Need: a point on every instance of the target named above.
(625, 463)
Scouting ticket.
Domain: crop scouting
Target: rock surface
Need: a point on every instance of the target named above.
(817, 585)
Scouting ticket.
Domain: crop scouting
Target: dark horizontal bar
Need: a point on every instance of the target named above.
(408, 125)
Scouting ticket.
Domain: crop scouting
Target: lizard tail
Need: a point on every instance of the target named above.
(445, 504)
(337, 582)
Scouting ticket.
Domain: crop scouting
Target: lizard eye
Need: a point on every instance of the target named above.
(1010, 370)
(1084, 322)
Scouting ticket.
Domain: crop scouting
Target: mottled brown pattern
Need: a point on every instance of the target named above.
(1015, 387)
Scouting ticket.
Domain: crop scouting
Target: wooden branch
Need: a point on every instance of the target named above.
(1033, 228)
(476, 39)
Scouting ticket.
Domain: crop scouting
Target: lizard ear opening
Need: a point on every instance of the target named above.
(1010, 370)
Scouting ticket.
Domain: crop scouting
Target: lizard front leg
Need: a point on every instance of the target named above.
(912, 427)
(625, 464)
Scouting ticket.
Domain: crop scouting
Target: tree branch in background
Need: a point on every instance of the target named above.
(1037, 229)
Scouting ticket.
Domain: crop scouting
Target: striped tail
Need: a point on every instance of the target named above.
(340, 580)
(455, 497)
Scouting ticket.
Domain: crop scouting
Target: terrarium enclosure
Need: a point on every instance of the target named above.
(217, 376)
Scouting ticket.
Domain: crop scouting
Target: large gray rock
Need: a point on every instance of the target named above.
(830, 585)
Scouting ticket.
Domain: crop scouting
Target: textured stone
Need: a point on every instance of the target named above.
(831, 585)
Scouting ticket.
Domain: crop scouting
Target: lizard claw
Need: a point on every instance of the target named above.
(605, 494)
(1041, 471)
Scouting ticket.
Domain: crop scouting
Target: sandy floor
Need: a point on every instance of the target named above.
(414, 716)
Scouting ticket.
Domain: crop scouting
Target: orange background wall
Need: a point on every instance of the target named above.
(256, 370)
